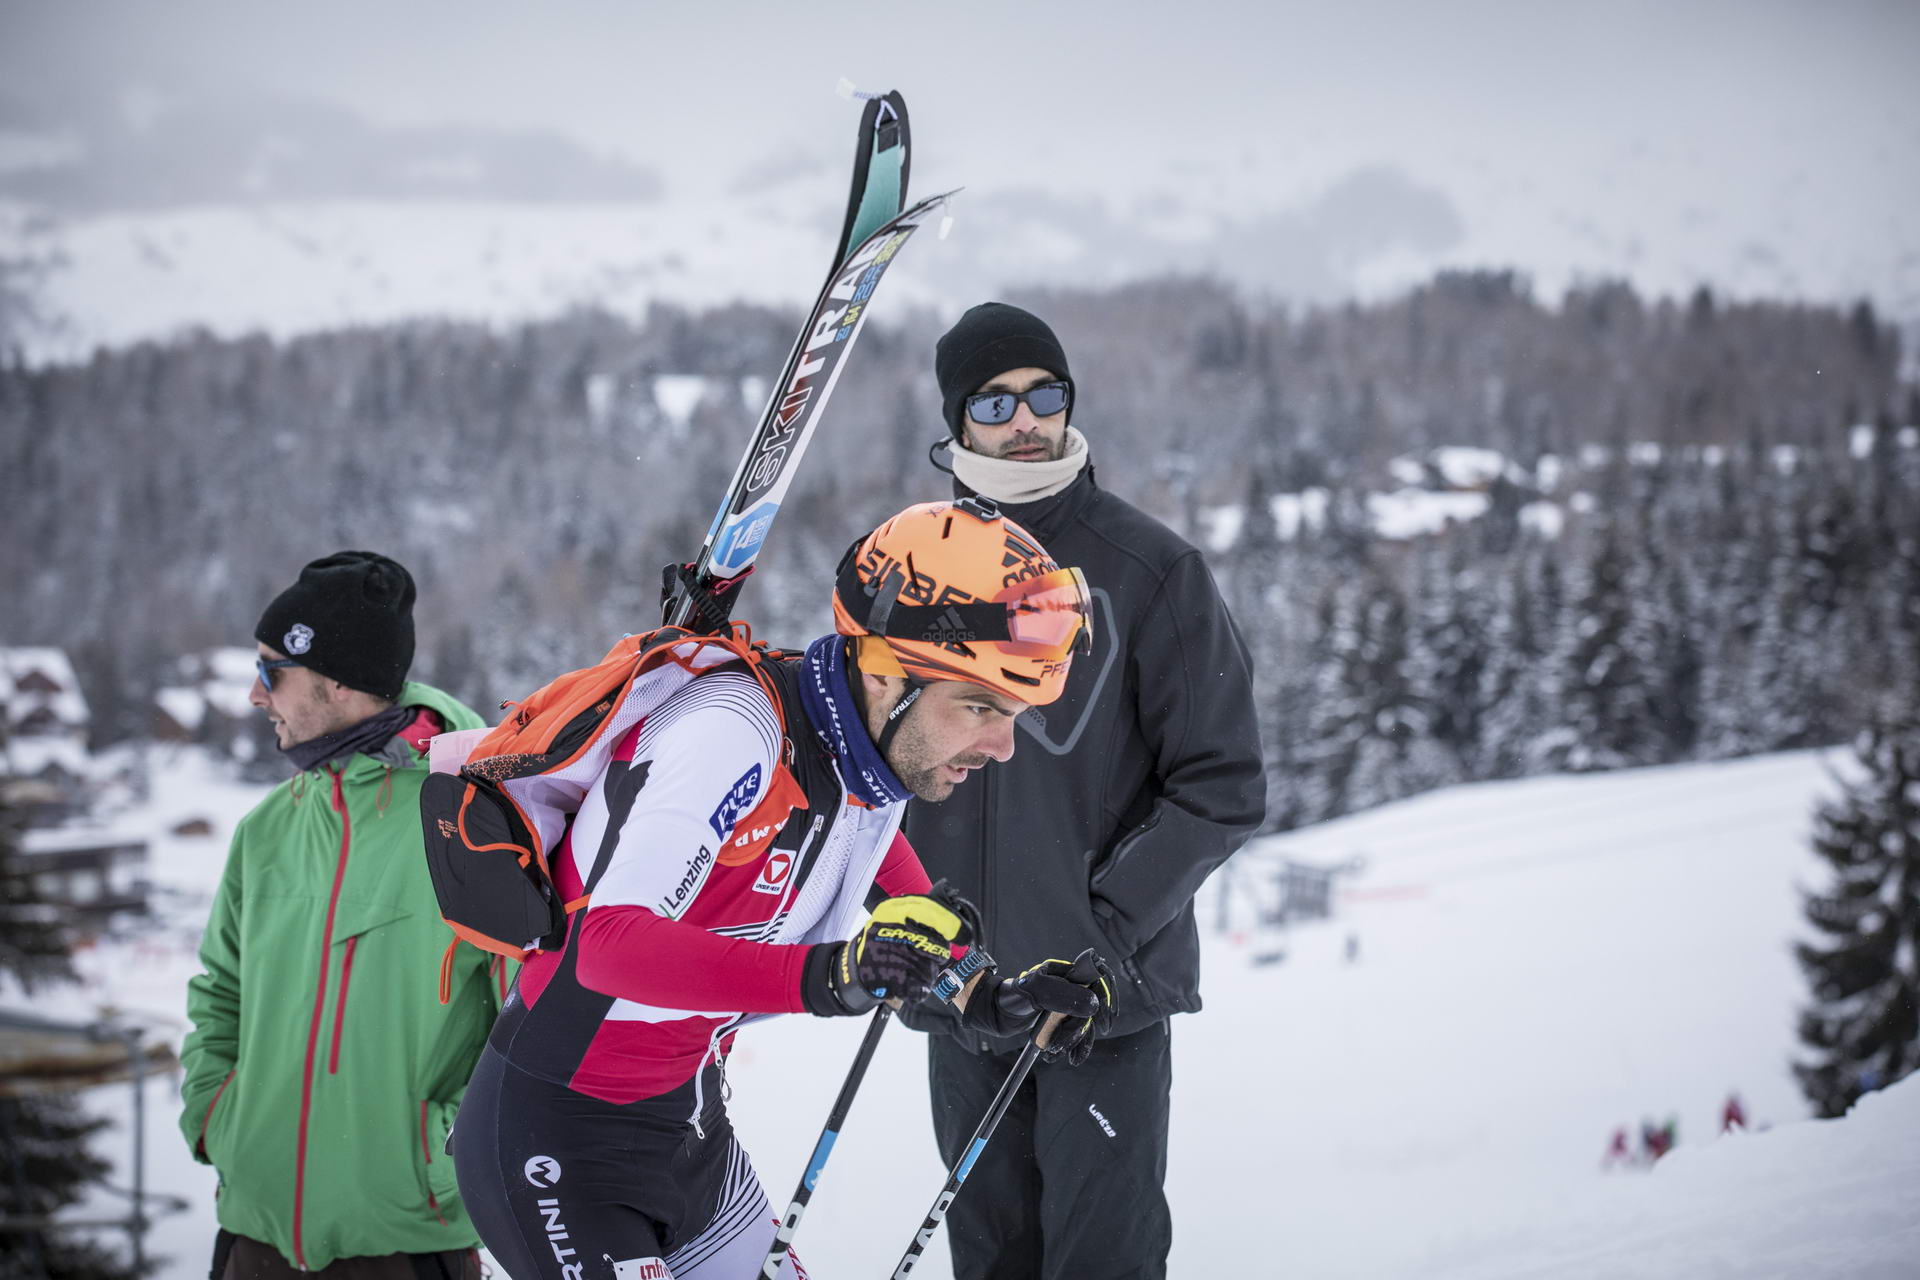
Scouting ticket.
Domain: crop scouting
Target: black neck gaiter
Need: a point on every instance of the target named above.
(369, 736)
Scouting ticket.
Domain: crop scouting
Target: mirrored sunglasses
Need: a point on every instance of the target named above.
(994, 408)
(267, 666)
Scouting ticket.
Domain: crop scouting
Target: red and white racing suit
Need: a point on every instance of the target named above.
(717, 846)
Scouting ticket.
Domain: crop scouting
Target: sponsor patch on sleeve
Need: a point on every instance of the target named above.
(674, 903)
(753, 833)
(738, 800)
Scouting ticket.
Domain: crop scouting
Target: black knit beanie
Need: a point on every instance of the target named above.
(988, 341)
(349, 617)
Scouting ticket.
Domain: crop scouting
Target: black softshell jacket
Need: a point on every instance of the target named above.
(1123, 795)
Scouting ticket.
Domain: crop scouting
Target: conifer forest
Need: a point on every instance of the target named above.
(1701, 539)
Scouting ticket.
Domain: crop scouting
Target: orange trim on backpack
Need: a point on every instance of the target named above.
(605, 686)
(460, 823)
(523, 746)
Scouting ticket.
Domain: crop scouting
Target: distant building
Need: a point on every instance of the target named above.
(43, 729)
(50, 774)
(209, 703)
(89, 873)
(1305, 892)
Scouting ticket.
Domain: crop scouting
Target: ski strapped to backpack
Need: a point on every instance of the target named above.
(699, 595)
(494, 816)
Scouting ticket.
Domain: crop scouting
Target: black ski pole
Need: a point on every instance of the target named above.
(829, 1134)
(955, 979)
(976, 1144)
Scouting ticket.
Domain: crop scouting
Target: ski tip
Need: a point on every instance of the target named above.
(946, 225)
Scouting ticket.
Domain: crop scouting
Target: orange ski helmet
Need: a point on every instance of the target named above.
(956, 591)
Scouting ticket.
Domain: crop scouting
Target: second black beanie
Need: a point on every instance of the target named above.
(987, 341)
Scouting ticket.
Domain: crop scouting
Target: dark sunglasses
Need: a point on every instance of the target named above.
(267, 666)
(992, 408)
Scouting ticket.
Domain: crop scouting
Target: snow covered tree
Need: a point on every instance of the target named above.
(1678, 663)
(1605, 657)
(1449, 647)
(1371, 739)
(48, 1164)
(1261, 577)
(1518, 688)
(1863, 1024)
(1740, 570)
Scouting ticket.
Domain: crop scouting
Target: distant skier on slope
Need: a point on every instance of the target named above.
(594, 1138)
(1657, 1140)
(1619, 1152)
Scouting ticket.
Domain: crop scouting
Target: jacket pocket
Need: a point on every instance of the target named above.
(1138, 999)
(436, 1166)
(219, 1108)
(340, 1004)
(355, 929)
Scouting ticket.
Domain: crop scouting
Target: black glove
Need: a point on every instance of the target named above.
(906, 944)
(1081, 990)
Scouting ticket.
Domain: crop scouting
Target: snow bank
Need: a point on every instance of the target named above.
(1833, 1198)
(1539, 962)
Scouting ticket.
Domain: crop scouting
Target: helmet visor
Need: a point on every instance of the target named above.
(1049, 616)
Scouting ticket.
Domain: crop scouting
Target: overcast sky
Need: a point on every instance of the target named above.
(1782, 138)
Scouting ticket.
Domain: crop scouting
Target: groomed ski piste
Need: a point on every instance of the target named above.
(1538, 963)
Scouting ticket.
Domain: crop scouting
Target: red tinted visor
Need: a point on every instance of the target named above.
(1049, 616)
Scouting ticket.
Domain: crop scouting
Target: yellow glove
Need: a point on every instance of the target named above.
(906, 944)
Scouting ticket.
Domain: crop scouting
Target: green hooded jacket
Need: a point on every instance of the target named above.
(322, 1071)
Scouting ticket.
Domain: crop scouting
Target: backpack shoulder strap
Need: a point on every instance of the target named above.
(808, 758)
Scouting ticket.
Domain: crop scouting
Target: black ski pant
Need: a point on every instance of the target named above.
(1071, 1183)
(562, 1186)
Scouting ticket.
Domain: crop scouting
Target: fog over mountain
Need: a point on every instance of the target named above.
(157, 151)
(608, 154)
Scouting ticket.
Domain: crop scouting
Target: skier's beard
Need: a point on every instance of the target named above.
(923, 766)
(1053, 446)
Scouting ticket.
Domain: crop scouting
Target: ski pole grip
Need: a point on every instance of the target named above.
(1048, 1027)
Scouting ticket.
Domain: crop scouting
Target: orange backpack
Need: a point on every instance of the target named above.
(492, 823)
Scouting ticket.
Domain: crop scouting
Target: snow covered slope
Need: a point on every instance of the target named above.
(1538, 962)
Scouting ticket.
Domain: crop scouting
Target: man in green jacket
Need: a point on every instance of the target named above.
(330, 1044)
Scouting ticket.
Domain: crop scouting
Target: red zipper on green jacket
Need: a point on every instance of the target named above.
(340, 1007)
(206, 1121)
(426, 1152)
(313, 1030)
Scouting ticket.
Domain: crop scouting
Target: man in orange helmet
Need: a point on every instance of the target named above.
(1141, 777)
(726, 854)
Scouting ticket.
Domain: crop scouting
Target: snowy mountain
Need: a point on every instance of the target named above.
(1537, 964)
(286, 266)
(264, 212)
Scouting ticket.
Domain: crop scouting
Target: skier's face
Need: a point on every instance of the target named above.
(1022, 438)
(953, 729)
(303, 704)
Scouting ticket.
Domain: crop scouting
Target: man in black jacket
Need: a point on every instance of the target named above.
(1140, 780)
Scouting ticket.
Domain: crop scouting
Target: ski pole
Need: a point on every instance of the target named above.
(953, 980)
(829, 1134)
(984, 1130)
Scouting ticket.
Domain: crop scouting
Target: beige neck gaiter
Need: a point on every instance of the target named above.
(1012, 482)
